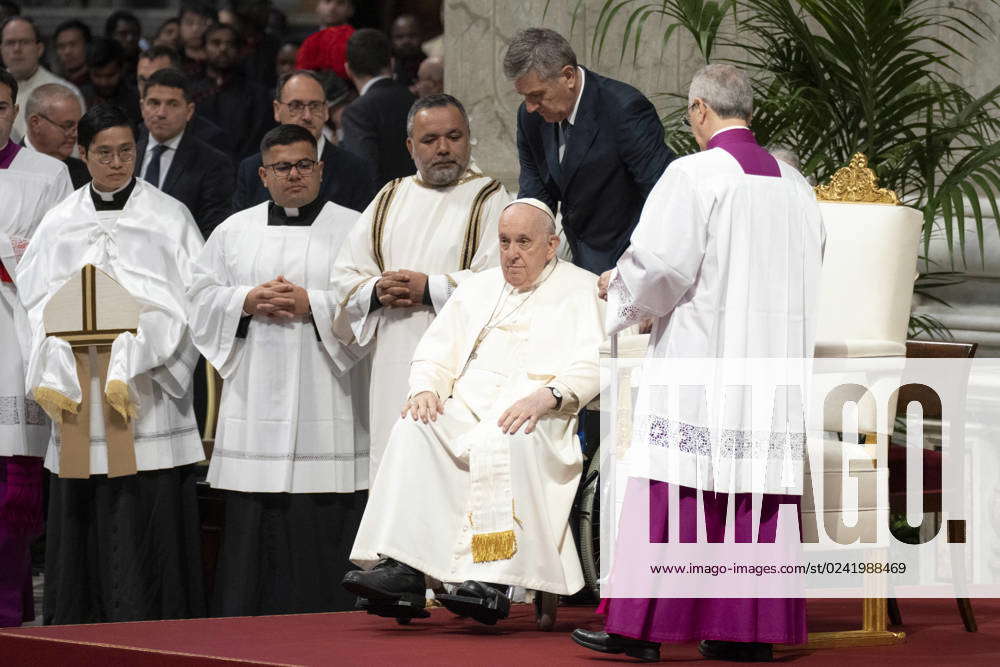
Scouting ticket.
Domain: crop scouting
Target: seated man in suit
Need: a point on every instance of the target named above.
(52, 112)
(589, 144)
(300, 100)
(375, 123)
(177, 162)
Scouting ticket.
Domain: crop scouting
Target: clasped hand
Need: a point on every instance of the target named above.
(401, 289)
(277, 299)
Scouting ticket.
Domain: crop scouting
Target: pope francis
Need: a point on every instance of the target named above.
(481, 469)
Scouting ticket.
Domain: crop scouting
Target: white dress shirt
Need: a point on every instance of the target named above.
(572, 116)
(165, 160)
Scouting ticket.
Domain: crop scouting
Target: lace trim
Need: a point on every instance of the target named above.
(734, 444)
(13, 407)
(628, 312)
(265, 456)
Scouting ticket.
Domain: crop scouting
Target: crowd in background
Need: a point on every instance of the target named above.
(229, 62)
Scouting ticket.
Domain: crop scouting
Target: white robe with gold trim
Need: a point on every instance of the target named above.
(449, 234)
(147, 248)
(460, 475)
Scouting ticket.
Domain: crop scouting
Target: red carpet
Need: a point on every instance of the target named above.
(934, 637)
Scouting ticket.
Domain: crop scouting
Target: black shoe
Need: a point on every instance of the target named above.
(736, 651)
(390, 589)
(607, 642)
(479, 601)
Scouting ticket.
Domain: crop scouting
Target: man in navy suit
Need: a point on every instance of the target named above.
(348, 180)
(176, 161)
(590, 145)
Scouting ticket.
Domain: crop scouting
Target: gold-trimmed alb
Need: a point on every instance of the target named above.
(471, 244)
(856, 184)
(378, 220)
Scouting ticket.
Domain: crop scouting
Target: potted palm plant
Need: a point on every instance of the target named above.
(837, 77)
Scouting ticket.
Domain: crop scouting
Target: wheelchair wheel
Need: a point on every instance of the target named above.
(589, 524)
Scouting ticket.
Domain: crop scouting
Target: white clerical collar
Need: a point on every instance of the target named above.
(579, 96)
(171, 143)
(27, 144)
(364, 88)
(727, 129)
(291, 212)
(108, 196)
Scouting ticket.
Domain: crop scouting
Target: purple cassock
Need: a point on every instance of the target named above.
(20, 508)
(770, 620)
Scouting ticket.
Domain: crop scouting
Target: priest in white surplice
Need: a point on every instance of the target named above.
(291, 448)
(726, 259)
(480, 472)
(420, 237)
(118, 548)
(30, 184)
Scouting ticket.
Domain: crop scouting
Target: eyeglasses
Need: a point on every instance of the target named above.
(687, 116)
(284, 169)
(296, 107)
(125, 155)
(68, 128)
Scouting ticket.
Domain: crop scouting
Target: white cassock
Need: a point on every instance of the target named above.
(29, 187)
(294, 409)
(147, 248)
(728, 264)
(457, 499)
(448, 233)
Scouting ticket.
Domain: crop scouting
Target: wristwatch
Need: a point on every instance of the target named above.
(556, 394)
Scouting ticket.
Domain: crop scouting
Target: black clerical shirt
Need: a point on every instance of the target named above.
(115, 201)
(278, 216)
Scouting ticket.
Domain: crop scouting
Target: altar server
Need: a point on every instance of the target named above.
(421, 236)
(291, 449)
(30, 184)
(120, 547)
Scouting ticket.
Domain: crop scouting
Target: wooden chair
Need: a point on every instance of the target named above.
(931, 461)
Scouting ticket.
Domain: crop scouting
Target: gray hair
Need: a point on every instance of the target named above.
(786, 155)
(540, 50)
(41, 97)
(724, 88)
(433, 102)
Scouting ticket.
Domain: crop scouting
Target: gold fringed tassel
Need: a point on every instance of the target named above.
(54, 402)
(493, 546)
(117, 395)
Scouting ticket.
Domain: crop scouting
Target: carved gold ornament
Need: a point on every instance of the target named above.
(856, 184)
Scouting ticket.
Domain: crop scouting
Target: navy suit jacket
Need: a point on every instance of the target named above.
(347, 180)
(614, 156)
(375, 129)
(200, 177)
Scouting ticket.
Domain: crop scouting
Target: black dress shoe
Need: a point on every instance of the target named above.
(607, 642)
(391, 589)
(479, 601)
(736, 651)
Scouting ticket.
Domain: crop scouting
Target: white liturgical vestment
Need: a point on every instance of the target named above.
(448, 233)
(450, 485)
(727, 262)
(31, 185)
(147, 248)
(293, 416)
